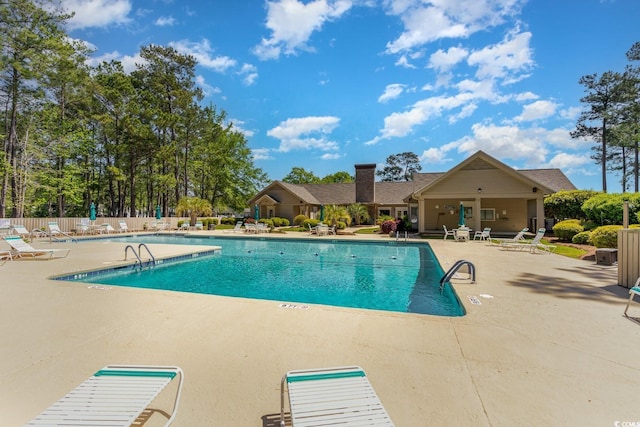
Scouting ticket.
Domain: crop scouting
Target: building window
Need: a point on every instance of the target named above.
(487, 214)
(384, 212)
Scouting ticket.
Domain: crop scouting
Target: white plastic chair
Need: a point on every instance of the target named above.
(447, 233)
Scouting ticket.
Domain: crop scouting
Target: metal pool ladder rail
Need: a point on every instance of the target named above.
(454, 269)
(137, 254)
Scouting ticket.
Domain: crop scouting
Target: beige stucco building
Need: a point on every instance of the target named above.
(491, 193)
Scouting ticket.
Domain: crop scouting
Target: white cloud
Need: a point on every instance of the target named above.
(300, 133)
(568, 162)
(331, 156)
(238, 127)
(570, 113)
(392, 91)
(207, 89)
(403, 61)
(504, 60)
(249, 74)
(261, 154)
(128, 62)
(536, 111)
(465, 112)
(202, 53)
(531, 145)
(427, 21)
(443, 61)
(525, 96)
(97, 13)
(165, 21)
(292, 23)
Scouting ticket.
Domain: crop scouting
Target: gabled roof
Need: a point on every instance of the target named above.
(398, 193)
(554, 179)
(547, 180)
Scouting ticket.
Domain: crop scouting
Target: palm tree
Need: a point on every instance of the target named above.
(359, 213)
(335, 213)
(193, 207)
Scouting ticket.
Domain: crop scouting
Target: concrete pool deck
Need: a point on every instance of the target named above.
(551, 347)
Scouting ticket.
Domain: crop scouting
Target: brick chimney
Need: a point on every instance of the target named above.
(366, 183)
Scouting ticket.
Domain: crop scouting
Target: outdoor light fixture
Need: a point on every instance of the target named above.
(437, 206)
(479, 190)
(504, 213)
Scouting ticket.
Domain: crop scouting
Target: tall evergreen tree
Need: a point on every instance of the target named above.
(603, 100)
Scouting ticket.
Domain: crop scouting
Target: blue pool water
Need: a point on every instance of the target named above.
(401, 277)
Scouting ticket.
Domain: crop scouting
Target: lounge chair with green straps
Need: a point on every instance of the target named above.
(116, 395)
(331, 396)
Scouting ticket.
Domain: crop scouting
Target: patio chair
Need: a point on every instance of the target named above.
(55, 232)
(5, 255)
(485, 234)
(108, 228)
(116, 395)
(312, 230)
(447, 233)
(463, 234)
(332, 396)
(124, 228)
(83, 226)
(236, 229)
(22, 248)
(533, 246)
(199, 225)
(635, 290)
(5, 226)
(517, 238)
(21, 231)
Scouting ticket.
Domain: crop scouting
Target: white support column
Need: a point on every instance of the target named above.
(477, 225)
(539, 212)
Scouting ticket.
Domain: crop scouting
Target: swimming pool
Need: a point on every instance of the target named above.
(390, 276)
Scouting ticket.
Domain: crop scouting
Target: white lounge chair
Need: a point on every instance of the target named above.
(236, 229)
(22, 248)
(108, 228)
(199, 225)
(533, 246)
(5, 226)
(116, 395)
(56, 233)
(515, 239)
(22, 231)
(485, 234)
(332, 396)
(447, 233)
(635, 290)
(124, 228)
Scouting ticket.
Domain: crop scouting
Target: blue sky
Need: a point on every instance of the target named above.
(327, 84)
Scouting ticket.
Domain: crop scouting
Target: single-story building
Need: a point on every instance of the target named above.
(491, 193)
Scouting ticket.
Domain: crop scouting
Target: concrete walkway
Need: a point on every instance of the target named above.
(549, 348)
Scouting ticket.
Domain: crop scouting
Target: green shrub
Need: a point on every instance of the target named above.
(565, 230)
(605, 236)
(567, 204)
(182, 221)
(341, 225)
(582, 238)
(608, 208)
(277, 222)
(268, 221)
(309, 223)
(300, 219)
(285, 222)
(228, 221)
(213, 221)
